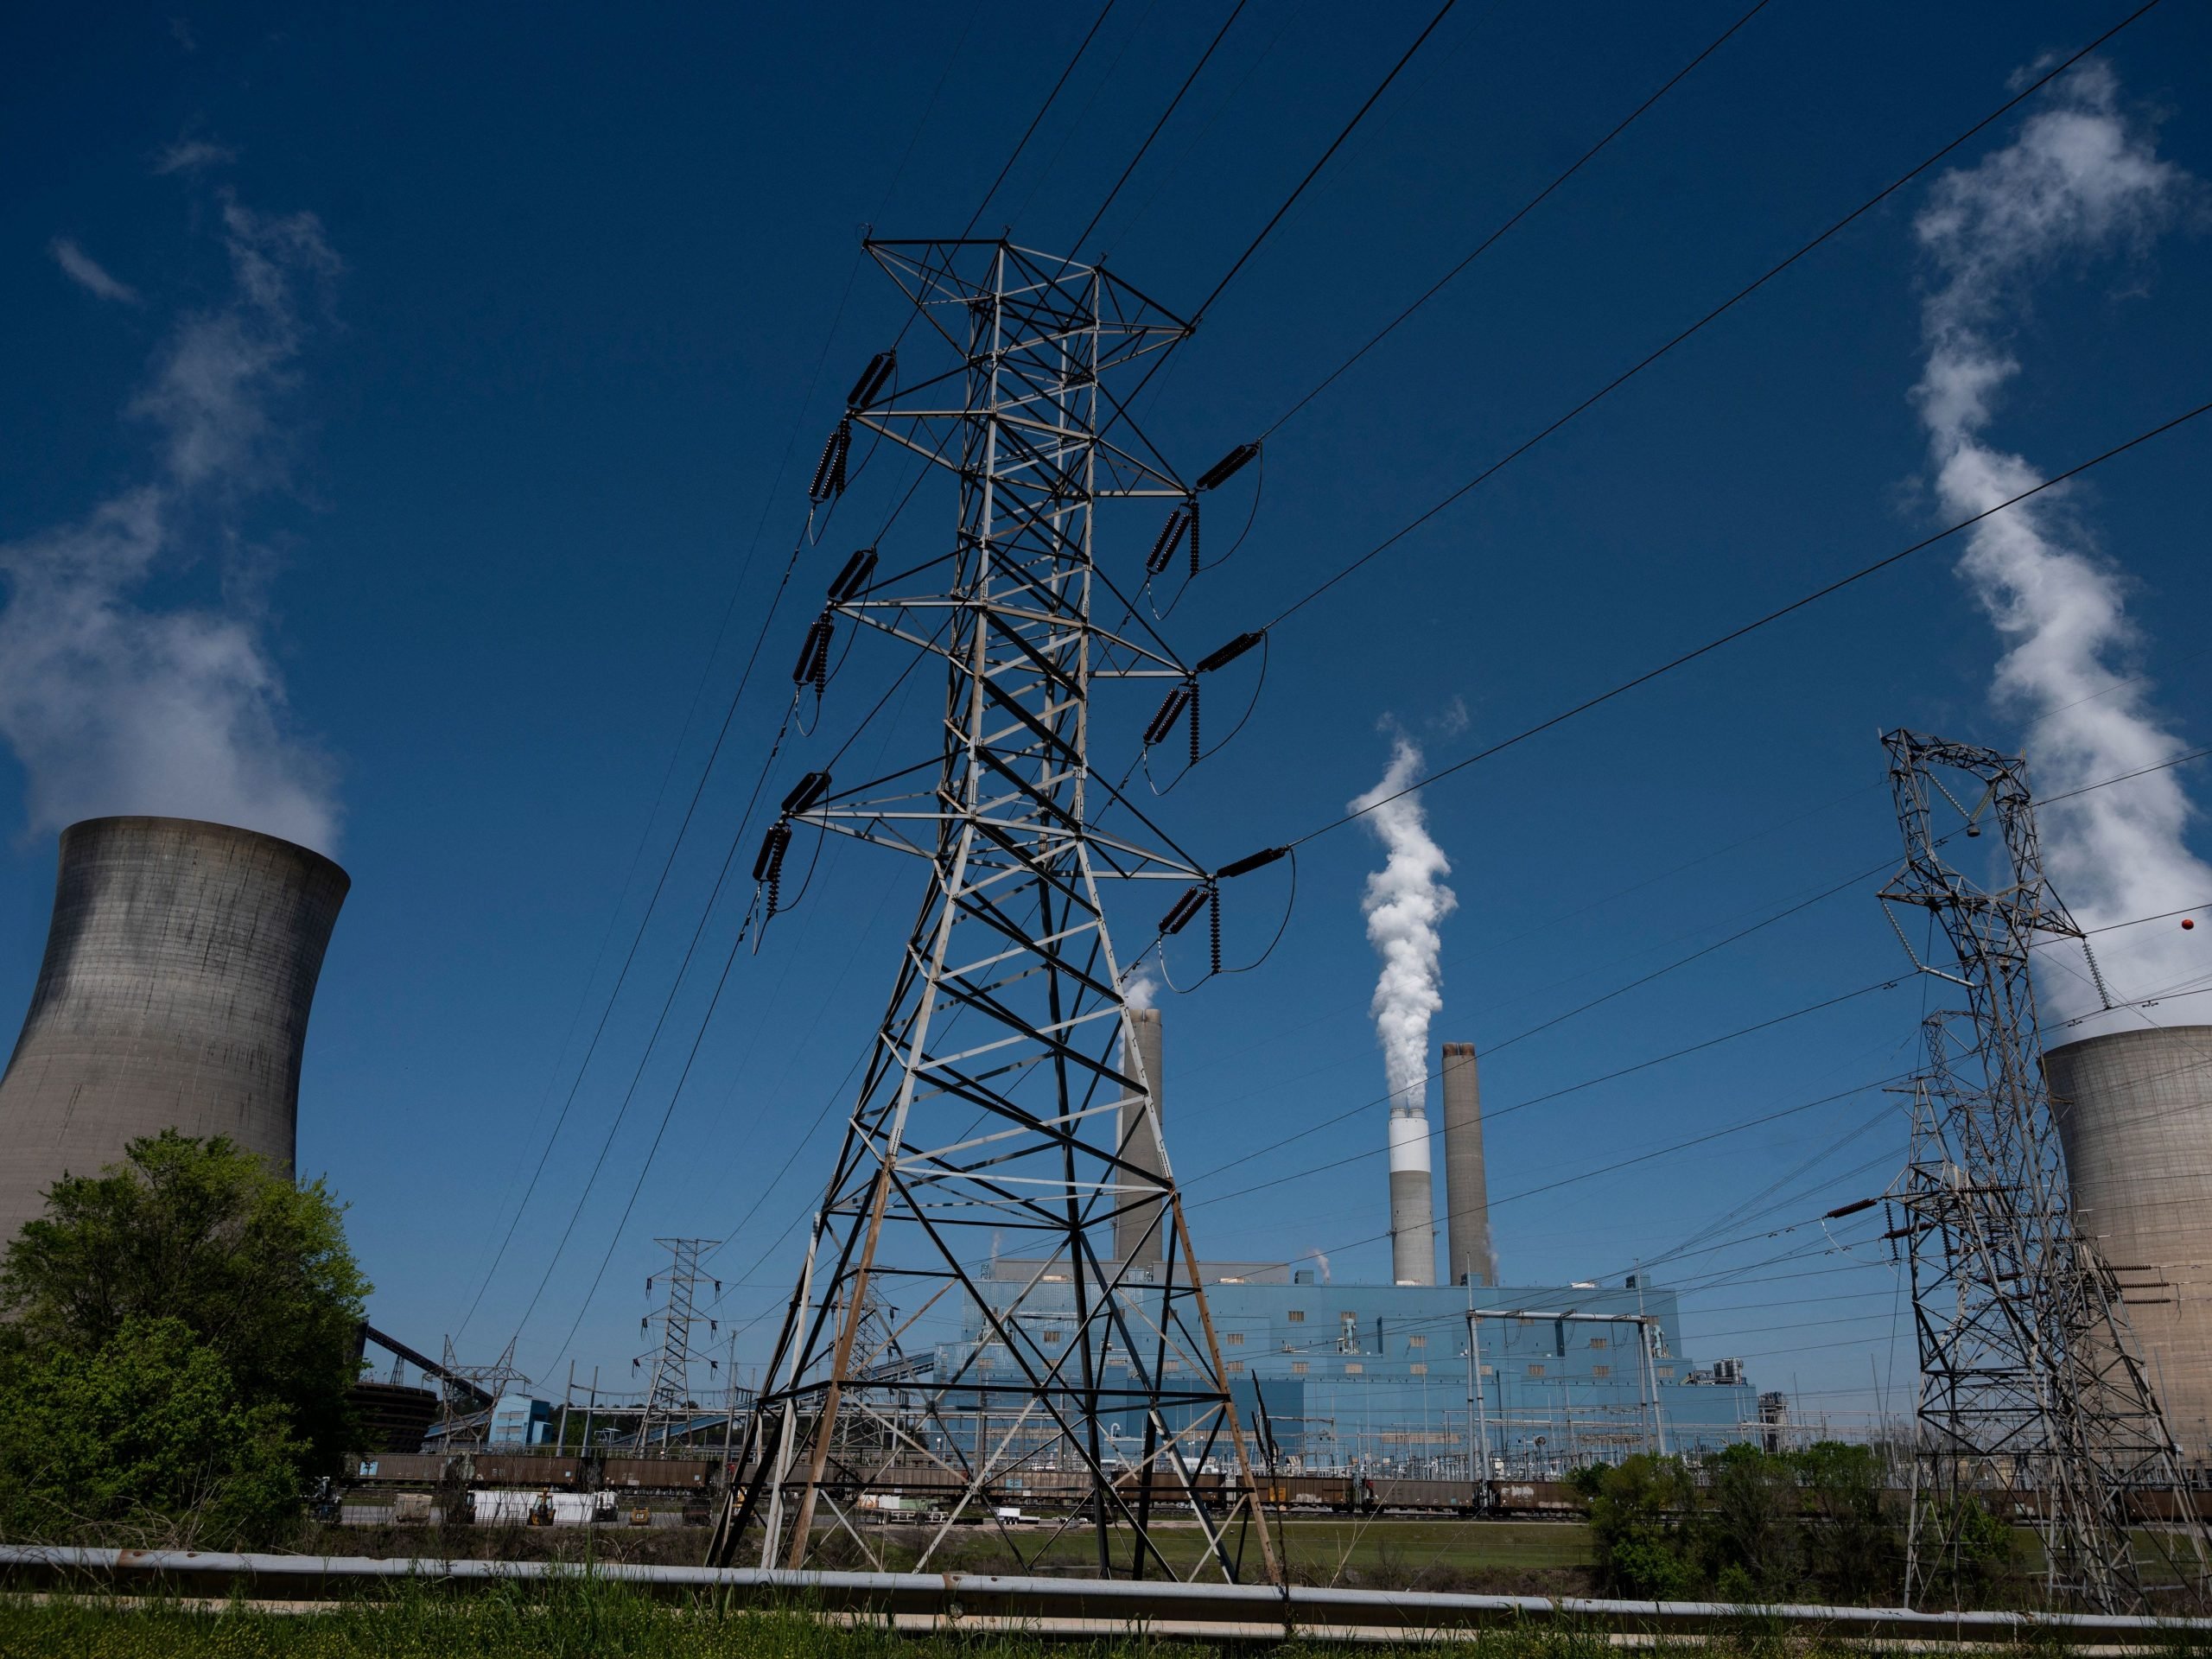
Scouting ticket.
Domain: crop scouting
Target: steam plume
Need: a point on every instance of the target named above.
(115, 707)
(2079, 179)
(1405, 901)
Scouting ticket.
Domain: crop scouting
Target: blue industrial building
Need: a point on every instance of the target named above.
(521, 1419)
(1382, 1378)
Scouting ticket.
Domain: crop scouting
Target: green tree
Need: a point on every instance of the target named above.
(1852, 1549)
(144, 1439)
(1749, 1536)
(1639, 1527)
(252, 1266)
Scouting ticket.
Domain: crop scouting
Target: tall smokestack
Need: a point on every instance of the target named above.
(1468, 1251)
(1139, 1231)
(1413, 1204)
(179, 968)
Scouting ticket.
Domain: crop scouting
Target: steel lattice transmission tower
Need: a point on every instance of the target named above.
(459, 1411)
(2033, 1395)
(991, 1103)
(669, 1400)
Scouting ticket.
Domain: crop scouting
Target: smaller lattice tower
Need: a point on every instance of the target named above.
(468, 1393)
(668, 1399)
(2034, 1398)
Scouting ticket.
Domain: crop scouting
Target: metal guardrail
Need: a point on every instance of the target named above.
(1070, 1606)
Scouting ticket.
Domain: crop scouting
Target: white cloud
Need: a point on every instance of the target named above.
(190, 155)
(88, 273)
(113, 707)
(2080, 180)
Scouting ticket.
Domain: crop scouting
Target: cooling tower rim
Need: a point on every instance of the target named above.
(123, 823)
(2158, 1035)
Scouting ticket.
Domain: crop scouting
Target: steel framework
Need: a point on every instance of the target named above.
(993, 1095)
(467, 1394)
(2033, 1391)
(669, 1401)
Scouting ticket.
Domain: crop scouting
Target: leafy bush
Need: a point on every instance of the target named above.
(1639, 1527)
(1763, 1526)
(145, 1439)
(254, 1267)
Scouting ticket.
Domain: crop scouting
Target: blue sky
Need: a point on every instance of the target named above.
(554, 328)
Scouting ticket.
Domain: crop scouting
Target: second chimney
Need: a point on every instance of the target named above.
(1141, 1230)
(1466, 1189)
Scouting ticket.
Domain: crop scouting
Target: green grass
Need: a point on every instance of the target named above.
(601, 1621)
(1500, 1557)
(1436, 1554)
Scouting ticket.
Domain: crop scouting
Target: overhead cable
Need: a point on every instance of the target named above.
(1769, 618)
(1520, 213)
(1728, 305)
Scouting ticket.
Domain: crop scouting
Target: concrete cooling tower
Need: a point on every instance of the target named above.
(2134, 1113)
(179, 968)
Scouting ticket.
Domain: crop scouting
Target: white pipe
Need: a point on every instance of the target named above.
(958, 1594)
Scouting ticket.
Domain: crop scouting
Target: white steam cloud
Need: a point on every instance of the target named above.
(1404, 902)
(2079, 179)
(89, 274)
(1139, 990)
(113, 706)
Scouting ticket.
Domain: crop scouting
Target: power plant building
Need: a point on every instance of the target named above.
(1398, 1378)
(1376, 1378)
(179, 969)
(2134, 1114)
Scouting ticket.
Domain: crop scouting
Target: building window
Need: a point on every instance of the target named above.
(1420, 1368)
(1235, 1367)
(1416, 1342)
(1055, 1336)
(1601, 1370)
(1297, 1316)
(1236, 1338)
(1597, 1341)
(1298, 1368)
(1524, 1320)
(1172, 1365)
(1666, 1373)
(1352, 1368)
(1535, 1370)
(1489, 1370)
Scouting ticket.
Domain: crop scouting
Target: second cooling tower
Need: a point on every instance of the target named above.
(2134, 1113)
(179, 969)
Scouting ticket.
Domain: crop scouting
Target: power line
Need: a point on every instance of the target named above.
(1314, 171)
(1713, 315)
(1576, 1088)
(1771, 617)
(698, 790)
(1522, 212)
(1030, 131)
(1075, 246)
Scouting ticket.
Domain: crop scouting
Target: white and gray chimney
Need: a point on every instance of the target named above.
(1413, 1204)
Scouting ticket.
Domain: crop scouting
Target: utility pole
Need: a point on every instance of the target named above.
(2030, 1381)
(992, 1100)
(668, 1399)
